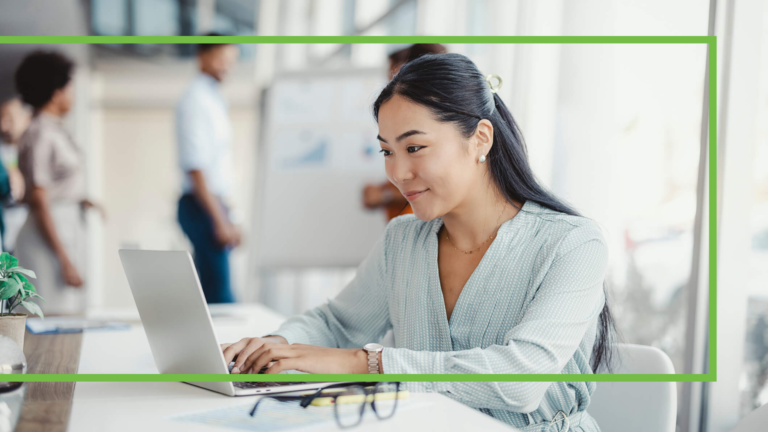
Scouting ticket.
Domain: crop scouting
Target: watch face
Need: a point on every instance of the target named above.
(373, 347)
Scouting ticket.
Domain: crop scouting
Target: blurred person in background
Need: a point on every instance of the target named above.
(385, 195)
(5, 195)
(398, 58)
(203, 135)
(52, 240)
(14, 120)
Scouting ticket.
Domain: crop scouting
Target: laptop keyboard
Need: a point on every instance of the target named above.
(250, 385)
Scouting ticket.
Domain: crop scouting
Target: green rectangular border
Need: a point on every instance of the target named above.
(710, 41)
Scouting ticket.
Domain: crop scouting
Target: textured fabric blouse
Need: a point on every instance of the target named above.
(50, 159)
(530, 307)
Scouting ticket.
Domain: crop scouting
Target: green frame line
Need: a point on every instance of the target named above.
(57, 40)
(360, 377)
(710, 41)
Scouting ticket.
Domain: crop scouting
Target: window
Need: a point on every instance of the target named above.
(172, 18)
(155, 17)
(754, 377)
(237, 17)
(110, 18)
(402, 22)
(627, 155)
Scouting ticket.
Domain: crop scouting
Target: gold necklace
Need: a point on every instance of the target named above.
(481, 244)
(467, 252)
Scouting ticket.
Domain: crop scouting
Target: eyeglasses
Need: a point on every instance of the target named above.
(349, 401)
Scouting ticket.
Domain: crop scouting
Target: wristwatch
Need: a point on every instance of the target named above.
(373, 350)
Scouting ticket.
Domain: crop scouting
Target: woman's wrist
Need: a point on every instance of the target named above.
(275, 339)
(361, 362)
(61, 255)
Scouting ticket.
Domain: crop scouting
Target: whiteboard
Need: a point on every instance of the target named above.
(317, 152)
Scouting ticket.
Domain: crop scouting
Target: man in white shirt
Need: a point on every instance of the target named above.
(203, 135)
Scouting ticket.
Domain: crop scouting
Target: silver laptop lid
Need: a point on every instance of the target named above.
(175, 314)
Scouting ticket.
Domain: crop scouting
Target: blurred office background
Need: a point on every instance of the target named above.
(616, 130)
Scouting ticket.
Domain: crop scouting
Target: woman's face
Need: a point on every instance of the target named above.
(429, 161)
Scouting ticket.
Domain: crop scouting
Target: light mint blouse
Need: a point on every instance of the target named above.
(530, 307)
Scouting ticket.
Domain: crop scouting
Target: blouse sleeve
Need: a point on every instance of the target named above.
(36, 161)
(355, 317)
(568, 300)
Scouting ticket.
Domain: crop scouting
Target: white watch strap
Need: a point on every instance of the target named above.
(373, 362)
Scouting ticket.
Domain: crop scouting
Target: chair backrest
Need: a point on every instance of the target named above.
(755, 421)
(636, 406)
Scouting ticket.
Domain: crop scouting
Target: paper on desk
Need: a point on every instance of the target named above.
(70, 325)
(278, 416)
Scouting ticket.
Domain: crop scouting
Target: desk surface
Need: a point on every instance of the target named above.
(47, 405)
(149, 406)
(128, 407)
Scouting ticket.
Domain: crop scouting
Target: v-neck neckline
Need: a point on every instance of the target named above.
(507, 227)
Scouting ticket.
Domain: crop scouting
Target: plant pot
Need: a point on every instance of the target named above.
(13, 326)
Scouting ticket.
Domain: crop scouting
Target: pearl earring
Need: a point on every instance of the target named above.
(482, 158)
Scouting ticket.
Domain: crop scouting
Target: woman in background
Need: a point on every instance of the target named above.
(51, 242)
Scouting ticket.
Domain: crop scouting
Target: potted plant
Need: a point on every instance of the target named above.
(15, 290)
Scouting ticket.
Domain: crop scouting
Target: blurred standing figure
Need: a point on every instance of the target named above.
(385, 195)
(398, 58)
(14, 120)
(203, 135)
(52, 242)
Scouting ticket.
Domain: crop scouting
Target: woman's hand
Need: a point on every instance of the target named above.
(16, 179)
(239, 351)
(305, 358)
(70, 274)
(88, 205)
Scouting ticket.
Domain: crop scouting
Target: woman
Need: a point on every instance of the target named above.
(492, 274)
(51, 241)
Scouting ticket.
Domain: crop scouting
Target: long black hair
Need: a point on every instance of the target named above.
(452, 87)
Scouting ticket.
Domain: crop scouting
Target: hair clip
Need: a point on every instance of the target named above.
(494, 88)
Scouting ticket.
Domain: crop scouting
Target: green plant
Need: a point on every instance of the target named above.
(15, 288)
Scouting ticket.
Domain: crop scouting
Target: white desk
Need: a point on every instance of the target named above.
(145, 407)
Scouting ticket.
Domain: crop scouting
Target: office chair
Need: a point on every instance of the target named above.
(636, 406)
(755, 421)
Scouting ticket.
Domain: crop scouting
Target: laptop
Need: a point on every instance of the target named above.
(178, 325)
